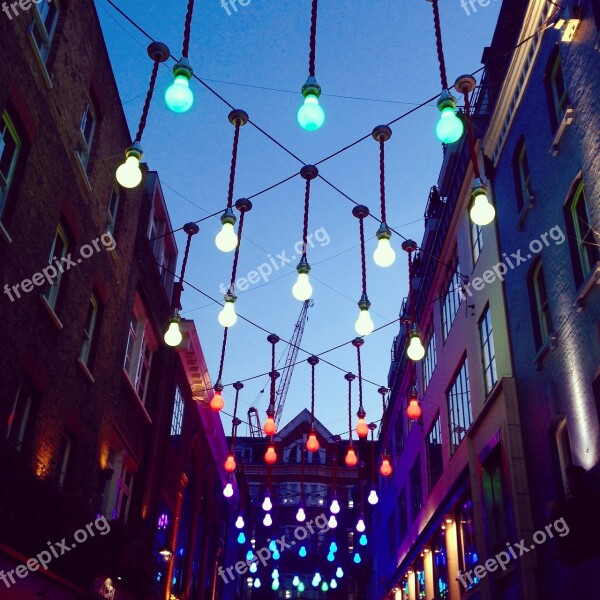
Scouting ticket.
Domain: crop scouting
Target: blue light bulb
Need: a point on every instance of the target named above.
(302, 552)
(241, 538)
(363, 540)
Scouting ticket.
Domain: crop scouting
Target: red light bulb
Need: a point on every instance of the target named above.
(270, 428)
(362, 429)
(351, 458)
(230, 464)
(216, 402)
(312, 443)
(414, 410)
(270, 455)
(386, 468)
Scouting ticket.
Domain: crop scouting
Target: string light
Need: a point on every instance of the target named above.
(362, 429)
(364, 324)
(271, 455)
(230, 464)
(351, 458)
(332, 522)
(312, 443)
(270, 427)
(386, 466)
(415, 350)
(414, 410)
(239, 523)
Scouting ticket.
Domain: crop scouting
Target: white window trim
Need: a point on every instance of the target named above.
(6, 182)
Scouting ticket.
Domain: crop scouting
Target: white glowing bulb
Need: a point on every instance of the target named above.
(364, 324)
(415, 350)
(226, 240)
(228, 491)
(302, 289)
(227, 316)
(335, 507)
(253, 568)
(239, 523)
(267, 504)
(129, 174)
(173, 335)
(360, 526)
(257, 583)
(373, 498)
(483, 212)
(384, 255)
(332, 522)
(300, 515)
(268, 521)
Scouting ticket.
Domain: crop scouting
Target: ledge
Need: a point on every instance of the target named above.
(38, 58)
(85, 370)
(4, 234)
(53, 316)
(138, 400)
(82, 171)
(549, 345)
(586, 287)
(567, 120)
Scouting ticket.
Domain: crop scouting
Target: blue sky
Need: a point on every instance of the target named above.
(376, 50)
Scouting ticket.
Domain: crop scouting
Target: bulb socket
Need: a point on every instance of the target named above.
(384, 232)
(191, 229)
(382, 131)
(479, 188)
(363, 304)
(446, 100)
(158, 52)
(311, 87)
(228, 217)
(134, 150)
(309, 172)
(360, 211)
(238, 116)
(183, 69)
(230, 296)
(303, 266)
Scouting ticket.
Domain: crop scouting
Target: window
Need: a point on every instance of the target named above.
(58, 251)
(468, 555)
(289, 493)
(86, 132)
(542, 320)
(451, 301)
(10, 146)
(44, 26)
(292, 454)
(494, 500)
(459, 406)
(435, 461)
(440, 565)
(253, 491)
(177, 418)
(315, 494)
(162, 244)
(555, 89)
(487, 350)
(117, 494)
(89, 330)
(476, 241)
(138, 356)
(521, 175)
(402, 515)
(20, 420)
(565, 456)
(399, 435)
(243, 454)
(416, 488)
(582, 241)
(430, 360)
(113, 207)
(63, 460)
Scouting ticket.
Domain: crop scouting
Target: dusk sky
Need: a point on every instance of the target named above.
(381, 52)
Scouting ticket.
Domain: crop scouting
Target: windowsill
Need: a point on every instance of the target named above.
(53, 316)
(4, 234)
(566, 120)
(586, 287)
(39, 59)
(525, 211)
(82, 171)
(550, 344)
(136, 396)
(85, 370)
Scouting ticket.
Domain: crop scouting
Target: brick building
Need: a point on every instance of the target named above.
(101, 425)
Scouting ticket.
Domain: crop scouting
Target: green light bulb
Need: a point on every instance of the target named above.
(179, 97)
(449, 128)
(311, 115)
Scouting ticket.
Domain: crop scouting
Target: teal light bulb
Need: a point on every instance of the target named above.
(311, 115)
(272, 546)
(357, 558)
(276, 555)
(179, 97)
(241, 538)
(249, 555)
(330, 557)
(301, 587)
(302, 552)
(333, 547)
(363, 540)
(325, 587)
(275, 585)
(449, 128)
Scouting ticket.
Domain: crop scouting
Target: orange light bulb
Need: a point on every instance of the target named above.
(312, 443)
(270, 428)
(414, 410)
(216, 402)
(386, 468)
(270, 455)
(362, 429)
(230, 464)
(351, 458)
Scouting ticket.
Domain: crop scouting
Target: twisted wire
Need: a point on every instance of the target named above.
(313, 39)
(360, 391)
(305, 223)
(237, 253)
(223, 348)
(236, 138)
(470, 134)
(187, 29)
(382, 176)
(362, 256)
(440, 47)
(146, 109)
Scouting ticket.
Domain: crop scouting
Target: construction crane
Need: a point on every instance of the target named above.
(288, 368)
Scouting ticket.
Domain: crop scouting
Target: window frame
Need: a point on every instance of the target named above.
(90, 330)
(564, 451)
(39, 27)
(113, 209)
(557, 106)
(586, 250)
(53, 290)
(522, 175)
(177, 413)
(6, 179)
(434, 471)
(416, 487)
(63, 459)
(542, 320)
(25, 420)
(476, 241)
(430, 359)
(451, 301)
(488, 350)
(457, 418)
(85, 142)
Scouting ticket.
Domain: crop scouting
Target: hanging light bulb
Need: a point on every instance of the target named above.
(373, 498)
(332, 522)
(129, 174)
(178, 96)
(330, 557)
(241, 538)
(362, 429)
(318, 577)
(301, 587)
(249, 555)
(257, 583)
(482, 212)
(312, 443)
(276, 555)
(351, 458)
(272, 546)
(230, 465)
(414, 410)
(386, 468)
(335, 506)
(339, 572)
(267, 505)
(227, 316)
(324, 586)
(333, 546)
(253, 568)
(296, 581)
(415, 349)
(270, 455)
(275, 585)
(333, 584)
(228, 491)
(173, 335)
(268, 520)
(311, 115)
(300, 515)
(357, 558)
(270, 427)
(302, 289)
(364, 324)
(363, 540)
(239, 522)
(360, 525)
(384, 255)
(275, 573)
(216, 402)
(449, 128)
(227, 240)
(302, 552)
